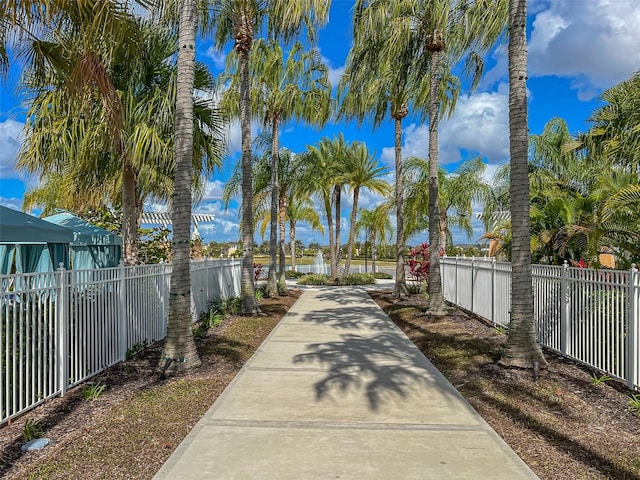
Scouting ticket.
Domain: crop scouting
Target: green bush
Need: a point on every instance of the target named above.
(314, 279)
(282, 288)
(226, 306)
(358, 279)
(383, 275)
(292, 274)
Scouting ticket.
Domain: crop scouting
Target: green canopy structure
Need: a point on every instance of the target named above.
(92, 247)
(31, 244)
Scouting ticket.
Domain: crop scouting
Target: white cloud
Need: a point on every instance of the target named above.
(480, 126)
(334, 72)
(213, 190)
(217, 57)
(595, 43)
(13, 203)
(10, 143)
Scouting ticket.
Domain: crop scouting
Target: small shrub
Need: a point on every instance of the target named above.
(500, 330)
(358, 279)
(259, 295)
(32, 430)
(135, 349)
(600, 380)
(383, 275)
(92, 391)
(415, 288)
(634, 403)
(226, 306)
(314, 279)
(282, 288)
(292, 274)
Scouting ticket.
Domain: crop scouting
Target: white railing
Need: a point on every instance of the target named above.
(589, 315)
(60, 328)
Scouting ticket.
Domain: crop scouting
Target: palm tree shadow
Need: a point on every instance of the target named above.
(383, 367)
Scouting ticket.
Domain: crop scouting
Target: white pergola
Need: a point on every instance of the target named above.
(164, 219)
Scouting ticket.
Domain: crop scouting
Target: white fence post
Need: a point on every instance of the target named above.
(565, 311)
(62, 328)
(456, 275)
(493, 289)
(473, 272)
(633, 313)
(122, 311)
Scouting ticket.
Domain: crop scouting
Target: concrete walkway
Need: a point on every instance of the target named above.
(338, 391)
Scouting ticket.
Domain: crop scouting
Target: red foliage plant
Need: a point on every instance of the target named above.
(419, 263)
(257, 271)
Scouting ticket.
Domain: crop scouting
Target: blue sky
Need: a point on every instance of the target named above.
(577, 49)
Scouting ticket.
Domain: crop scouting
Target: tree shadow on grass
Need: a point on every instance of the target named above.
(383, 367)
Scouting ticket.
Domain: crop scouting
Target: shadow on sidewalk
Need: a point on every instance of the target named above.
(354, 318)
(382, 367)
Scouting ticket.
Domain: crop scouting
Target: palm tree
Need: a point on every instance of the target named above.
(238, 20)
(376, 82)
(522, 349)
(457, 190)
(71, 151)
(325, 176)
(363, 171)
(377, 224)
(300, 209)
(295, 87)
(451, 30)
(179, 346)
(90, 37)
(430, 37)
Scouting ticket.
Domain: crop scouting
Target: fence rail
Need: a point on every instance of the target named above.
(58, 329)
(588, 315)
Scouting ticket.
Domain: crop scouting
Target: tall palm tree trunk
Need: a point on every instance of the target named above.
(272, 287)
(400, 287)
(247, 287)
(352, 229)
(332, 241)
(282, 219)
(292, 243)
(335, 274)
(129, 213)
(443, 225)
(522, 349)
(436, 298)
(179, 349)
(373, 251)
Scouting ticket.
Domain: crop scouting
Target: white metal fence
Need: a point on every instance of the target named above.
(589, 315)
(61, 328)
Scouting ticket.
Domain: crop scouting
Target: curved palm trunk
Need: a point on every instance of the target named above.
(283, 258)
(352, 229)
(522, 349)
(129, 213)
(272, 287)
(292, 243)
(335, 272)
(247, 287)
(332, 243)
(436, 299)
(373, 250)
(443, 225)
(179, 350)
(400, 287)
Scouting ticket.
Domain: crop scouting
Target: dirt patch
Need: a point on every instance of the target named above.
(565, 425)
(131, 429)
